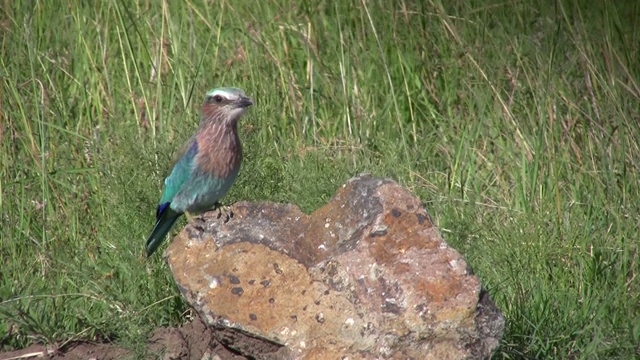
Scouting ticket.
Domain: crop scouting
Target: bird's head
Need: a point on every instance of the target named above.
(225, 104)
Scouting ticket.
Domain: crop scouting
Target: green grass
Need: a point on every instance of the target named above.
(518, 123)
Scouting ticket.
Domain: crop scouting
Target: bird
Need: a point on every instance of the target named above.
(206, 166)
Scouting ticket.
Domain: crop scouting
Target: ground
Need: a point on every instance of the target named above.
(192, 340)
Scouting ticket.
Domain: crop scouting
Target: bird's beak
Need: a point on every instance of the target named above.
(244, 102)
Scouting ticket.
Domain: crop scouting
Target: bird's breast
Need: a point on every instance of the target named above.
(219, 152)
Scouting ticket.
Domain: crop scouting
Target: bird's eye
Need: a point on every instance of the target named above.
(217, 98)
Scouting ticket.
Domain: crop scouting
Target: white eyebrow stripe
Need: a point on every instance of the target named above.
(227, 95)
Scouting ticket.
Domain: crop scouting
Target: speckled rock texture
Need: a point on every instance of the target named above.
(367, 276)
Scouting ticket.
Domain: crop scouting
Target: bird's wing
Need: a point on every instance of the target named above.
(201, 192)
(177, 156)
(181, 171)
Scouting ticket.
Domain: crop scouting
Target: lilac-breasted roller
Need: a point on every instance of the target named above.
(207, 166)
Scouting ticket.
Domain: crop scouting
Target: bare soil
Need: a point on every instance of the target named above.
(192, 341)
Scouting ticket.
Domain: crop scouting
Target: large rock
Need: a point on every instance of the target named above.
(366, 276)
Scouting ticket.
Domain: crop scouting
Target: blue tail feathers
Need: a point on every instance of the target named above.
(161, 209)
(165, 218)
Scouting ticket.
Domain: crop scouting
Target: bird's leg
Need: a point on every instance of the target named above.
(189, 217)
(196, 220)
(224, 211)
(193, 216)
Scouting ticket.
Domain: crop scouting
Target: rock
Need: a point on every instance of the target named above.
(366, 276)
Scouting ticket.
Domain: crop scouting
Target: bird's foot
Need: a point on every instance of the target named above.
(196, 220)
(189, 217)
(224, 212)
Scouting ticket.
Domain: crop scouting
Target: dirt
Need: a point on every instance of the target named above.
(192, 341)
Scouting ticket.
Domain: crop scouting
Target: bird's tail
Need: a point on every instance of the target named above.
(166, 219)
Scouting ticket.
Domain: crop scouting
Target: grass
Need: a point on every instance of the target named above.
(518, 123)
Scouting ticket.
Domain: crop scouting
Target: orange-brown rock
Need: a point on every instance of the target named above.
(366, 276)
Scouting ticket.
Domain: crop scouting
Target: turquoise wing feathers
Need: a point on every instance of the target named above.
(180, 173)
(166, 216)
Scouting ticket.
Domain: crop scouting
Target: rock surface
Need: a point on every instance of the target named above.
(366, 276)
